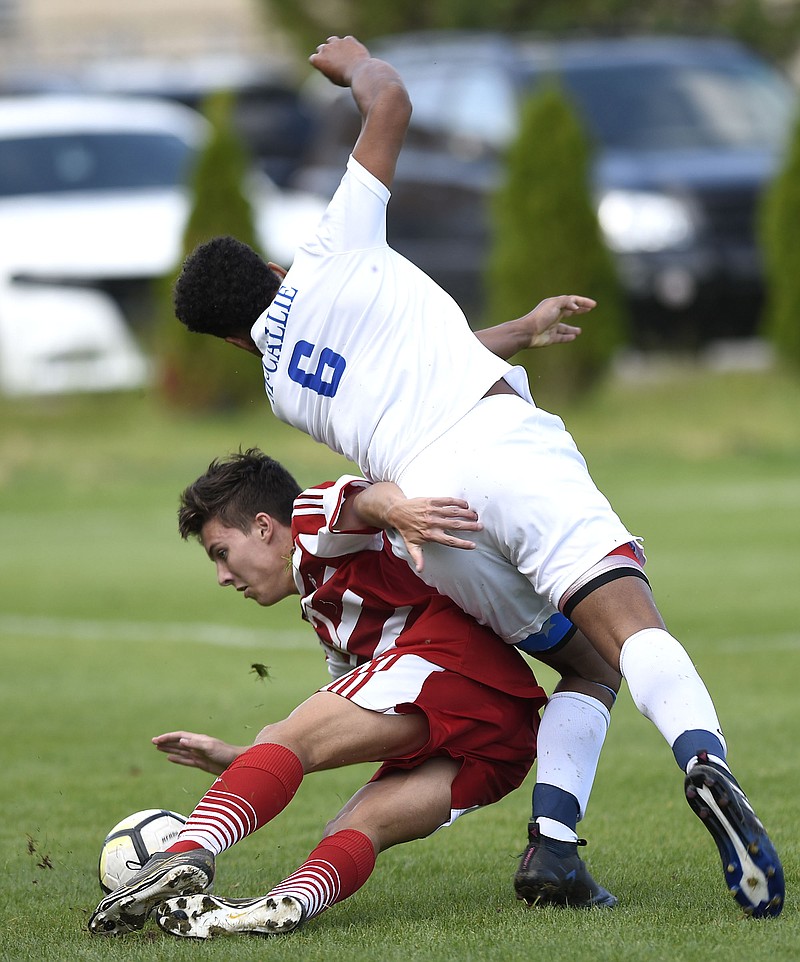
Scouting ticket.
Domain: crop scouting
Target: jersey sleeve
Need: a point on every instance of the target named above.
(317, 510)
(355, 219)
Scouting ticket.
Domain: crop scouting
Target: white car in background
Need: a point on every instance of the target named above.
(93, 204)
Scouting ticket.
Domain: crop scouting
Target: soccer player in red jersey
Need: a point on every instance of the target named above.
(450, 710)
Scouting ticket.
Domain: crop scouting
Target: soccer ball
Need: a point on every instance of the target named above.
(131, 842)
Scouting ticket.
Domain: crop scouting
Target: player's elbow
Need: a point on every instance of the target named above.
(393, 102)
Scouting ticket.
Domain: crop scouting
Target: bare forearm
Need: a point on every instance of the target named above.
(506, 340)
(377, 86)
(379, 94)
(546, 324)
(417, 520)
(372, 506)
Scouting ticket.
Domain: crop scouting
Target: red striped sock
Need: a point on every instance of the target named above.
(337, 868)
(258, 785)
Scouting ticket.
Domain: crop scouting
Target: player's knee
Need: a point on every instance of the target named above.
(605, 694)
(336, 824)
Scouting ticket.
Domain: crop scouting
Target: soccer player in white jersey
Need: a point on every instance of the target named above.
(365, 353)
(450, 709)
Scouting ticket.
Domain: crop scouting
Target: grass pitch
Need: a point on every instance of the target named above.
(113, 630)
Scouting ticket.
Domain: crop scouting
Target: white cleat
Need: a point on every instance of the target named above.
(204, 916)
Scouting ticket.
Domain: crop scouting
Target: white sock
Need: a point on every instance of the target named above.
(665, 685)
(571, 735)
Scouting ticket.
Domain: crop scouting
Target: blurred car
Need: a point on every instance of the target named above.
(93, 198)
(58, 340)
(687, 132)
(268, 113)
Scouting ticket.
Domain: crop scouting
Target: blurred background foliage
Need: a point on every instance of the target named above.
(200, 372)
(771, 28)
(780, 238)
(547, 238)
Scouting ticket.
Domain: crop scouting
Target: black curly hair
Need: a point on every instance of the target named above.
(223, 288)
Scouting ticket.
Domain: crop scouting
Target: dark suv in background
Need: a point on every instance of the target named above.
(687, 133)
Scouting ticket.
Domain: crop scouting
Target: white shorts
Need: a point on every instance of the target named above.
(545, 523)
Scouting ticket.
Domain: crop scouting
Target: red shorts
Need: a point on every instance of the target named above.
(492, 733)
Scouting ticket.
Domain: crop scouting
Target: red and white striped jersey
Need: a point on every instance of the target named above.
(363, 601)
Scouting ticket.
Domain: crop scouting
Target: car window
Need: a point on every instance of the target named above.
(89, 162)
(464, 100)
(652, 107)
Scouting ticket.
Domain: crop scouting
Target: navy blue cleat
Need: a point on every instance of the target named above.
(551, 873)
(753, 871)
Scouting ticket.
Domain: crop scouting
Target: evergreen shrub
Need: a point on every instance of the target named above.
(546, 241)
(196, 371)
(780, 237)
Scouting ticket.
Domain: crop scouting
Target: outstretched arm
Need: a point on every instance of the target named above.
(380, 96)
(417, 520)
(197, 751)
(541, 327)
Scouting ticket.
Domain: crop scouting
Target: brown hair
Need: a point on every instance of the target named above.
(234, 490)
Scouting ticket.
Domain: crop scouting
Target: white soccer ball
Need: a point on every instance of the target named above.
(131, 842)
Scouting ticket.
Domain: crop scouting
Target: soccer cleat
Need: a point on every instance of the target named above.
(203, 916)
(753, 871)
(164, 875)
(551, 873)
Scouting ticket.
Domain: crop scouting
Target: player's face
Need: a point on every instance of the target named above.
(254, 562)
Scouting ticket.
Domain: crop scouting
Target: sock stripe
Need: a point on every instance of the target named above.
(252, 791)
(220, 820)
(222, 804)
(222, 833)
(316, 885)
(337, 868)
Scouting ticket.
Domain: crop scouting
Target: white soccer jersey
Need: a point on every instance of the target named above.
(350, 302)
(364, 352)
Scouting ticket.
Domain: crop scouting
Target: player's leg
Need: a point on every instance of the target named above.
(573, 729)
(490, 732)
(399, 807)
(623, 623)
(570, 738)
(329, 731)
(326, 731)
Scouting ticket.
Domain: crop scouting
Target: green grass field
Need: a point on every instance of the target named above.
(113, 630)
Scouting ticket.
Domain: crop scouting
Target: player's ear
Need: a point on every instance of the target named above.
(264, 525)
(280, 271)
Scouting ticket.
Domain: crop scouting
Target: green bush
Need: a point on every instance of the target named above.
(546, 241)
(780, 233)
(195, 371)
